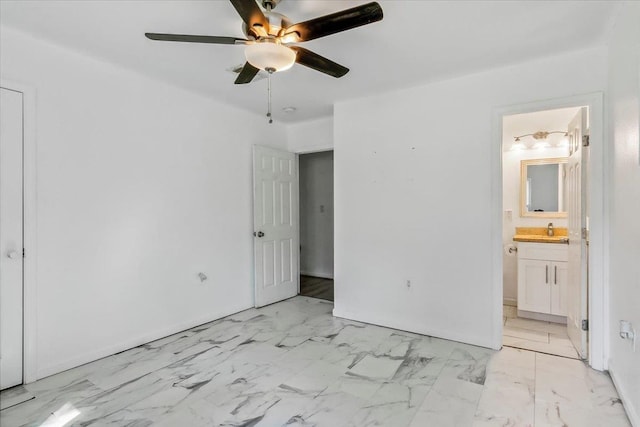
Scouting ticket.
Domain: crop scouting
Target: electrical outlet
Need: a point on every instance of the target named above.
(408, 284)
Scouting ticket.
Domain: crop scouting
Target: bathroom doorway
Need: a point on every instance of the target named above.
(545, 169)
(316, 224)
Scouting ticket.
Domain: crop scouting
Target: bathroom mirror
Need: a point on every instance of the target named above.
(542, 188)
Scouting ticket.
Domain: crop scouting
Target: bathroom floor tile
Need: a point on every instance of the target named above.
(556, 349)
(535, 335)
(526, 334)
(537, 325)
(509, 311)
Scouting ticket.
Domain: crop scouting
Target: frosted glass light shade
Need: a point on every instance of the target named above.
(270, 55)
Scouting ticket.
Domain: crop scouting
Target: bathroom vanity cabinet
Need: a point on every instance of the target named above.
(542, 278)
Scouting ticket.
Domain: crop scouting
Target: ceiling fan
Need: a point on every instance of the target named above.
(271, 37)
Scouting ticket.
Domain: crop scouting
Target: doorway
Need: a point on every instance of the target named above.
(316, 224)
(545, 214)
(11, 237)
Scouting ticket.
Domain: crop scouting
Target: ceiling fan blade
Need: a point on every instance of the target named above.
(251, 14)
(194, 39)
(337, 22)
(247, 74)
(319, 63)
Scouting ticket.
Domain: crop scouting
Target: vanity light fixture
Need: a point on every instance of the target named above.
(540, 139)
(541, 134)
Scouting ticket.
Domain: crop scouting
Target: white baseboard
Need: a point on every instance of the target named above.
(129, 344)
(319, 274)
(632, 413)
(510, 301)
(411, 327)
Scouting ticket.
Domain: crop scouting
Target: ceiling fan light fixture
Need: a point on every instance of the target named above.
(267, 55)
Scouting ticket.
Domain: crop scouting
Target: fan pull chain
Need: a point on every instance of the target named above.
(270, 71)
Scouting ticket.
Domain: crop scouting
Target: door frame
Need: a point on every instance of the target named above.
(598, 263)
(317, 149)
(29, 228)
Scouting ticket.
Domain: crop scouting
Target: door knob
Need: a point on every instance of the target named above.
(258, 234)
(12, 254)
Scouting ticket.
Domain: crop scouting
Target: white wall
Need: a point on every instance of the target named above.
(310, 136)
(511, 201)
(413, 195)
(316, 214)
(624, 193)
(140, 186)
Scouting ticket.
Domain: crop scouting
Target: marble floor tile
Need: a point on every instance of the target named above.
(376, 367)
(508, 398)
(526, 334)
(294, 364)
(450, 402)
(557, 349)
(417, 370)
(13, 396)
(560, 340)
(392, 405)
(537, 325)
(362, 388)
(328, 409)
(567, 392)
(509, 311)
(467, 363)
(36, 411)
(535, 335)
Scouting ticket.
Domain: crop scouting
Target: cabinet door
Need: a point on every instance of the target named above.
(534, 283)
(558, 278)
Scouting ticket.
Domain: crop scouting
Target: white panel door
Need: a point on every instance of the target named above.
(10, 238)
(275, 221)
(577, 266)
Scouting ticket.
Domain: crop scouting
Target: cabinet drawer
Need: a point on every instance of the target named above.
(543, 251)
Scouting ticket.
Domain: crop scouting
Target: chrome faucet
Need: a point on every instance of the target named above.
(550, 229)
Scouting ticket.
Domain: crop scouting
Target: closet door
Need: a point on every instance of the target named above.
(10, 238)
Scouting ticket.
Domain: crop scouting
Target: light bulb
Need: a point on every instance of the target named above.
(270, 55)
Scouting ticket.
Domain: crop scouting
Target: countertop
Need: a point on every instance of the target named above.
(539, 235)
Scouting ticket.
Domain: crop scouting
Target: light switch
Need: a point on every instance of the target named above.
(508, 214)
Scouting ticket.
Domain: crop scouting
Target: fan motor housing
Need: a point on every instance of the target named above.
(277, 24)
(270, 4)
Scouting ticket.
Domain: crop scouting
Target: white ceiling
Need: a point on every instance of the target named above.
(417, 41)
